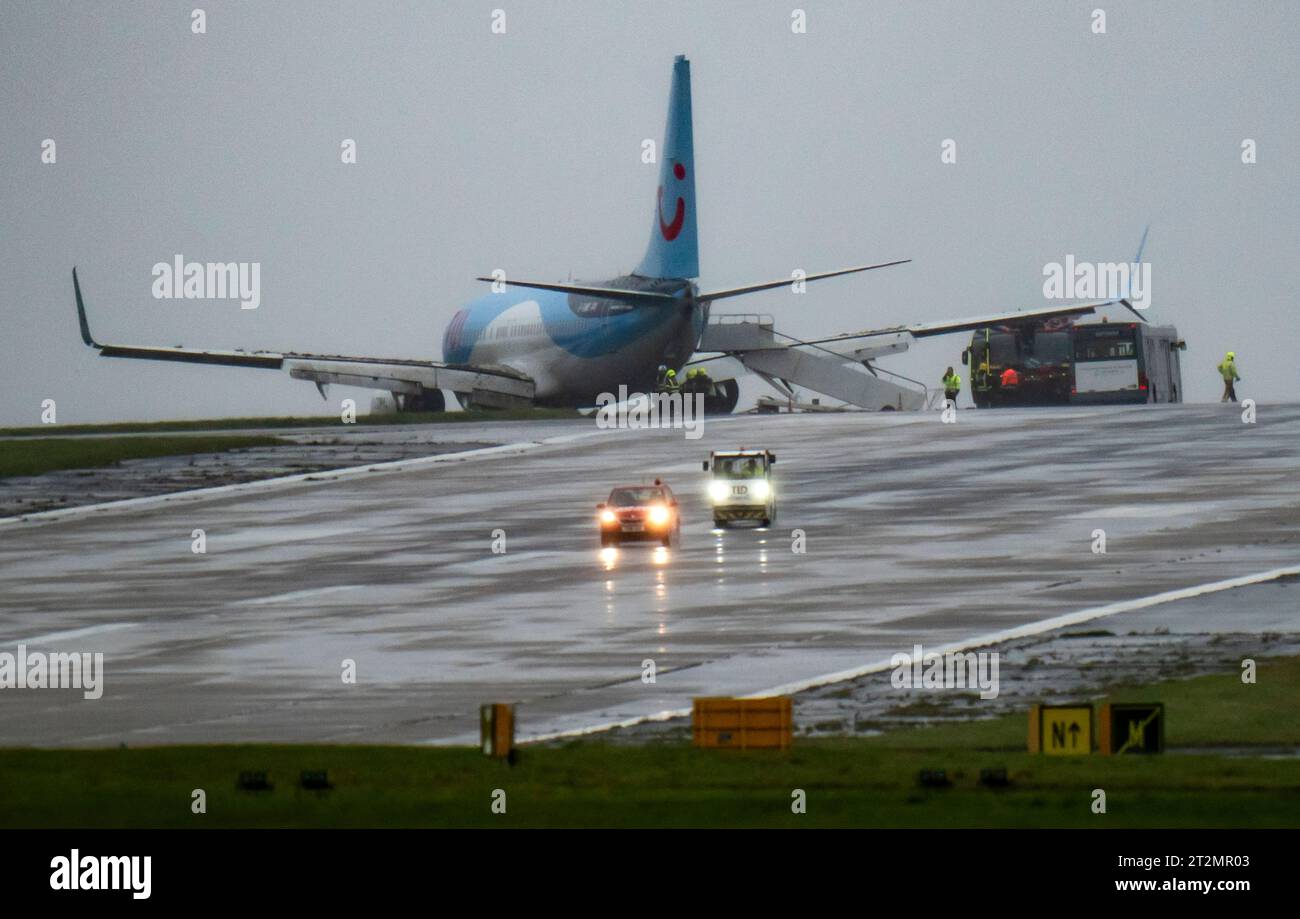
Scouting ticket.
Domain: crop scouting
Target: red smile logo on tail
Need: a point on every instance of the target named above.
(670, 230)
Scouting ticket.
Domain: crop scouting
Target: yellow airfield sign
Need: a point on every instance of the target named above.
(1060, 730)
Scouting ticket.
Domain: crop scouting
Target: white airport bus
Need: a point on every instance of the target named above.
(1126, 362)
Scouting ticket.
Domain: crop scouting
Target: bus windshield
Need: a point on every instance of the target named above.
(999, 349)
(1052, 347)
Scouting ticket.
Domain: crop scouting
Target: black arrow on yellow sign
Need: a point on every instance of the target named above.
(1058, 735)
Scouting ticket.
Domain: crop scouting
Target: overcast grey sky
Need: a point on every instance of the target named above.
(522, 151)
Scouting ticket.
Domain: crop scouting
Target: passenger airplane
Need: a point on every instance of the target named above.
(564, 344)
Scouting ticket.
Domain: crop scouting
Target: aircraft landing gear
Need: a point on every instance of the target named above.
(430, 400)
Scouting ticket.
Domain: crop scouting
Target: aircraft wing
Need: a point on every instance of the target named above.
(948, 326)
(783, 359)
(489, 386)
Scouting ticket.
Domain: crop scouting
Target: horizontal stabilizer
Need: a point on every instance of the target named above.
(785, 282)
(609, 293)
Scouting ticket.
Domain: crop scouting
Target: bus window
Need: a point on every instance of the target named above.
(1105, 345)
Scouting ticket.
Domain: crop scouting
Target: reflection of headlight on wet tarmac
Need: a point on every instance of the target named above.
(609, 558)
(660, 556)
(760, 490)
(659, 515)
(719, 491)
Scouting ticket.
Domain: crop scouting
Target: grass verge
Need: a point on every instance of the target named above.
(848, 782)
(33, 457)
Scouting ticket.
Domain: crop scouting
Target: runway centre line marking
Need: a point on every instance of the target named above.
(1022, 631)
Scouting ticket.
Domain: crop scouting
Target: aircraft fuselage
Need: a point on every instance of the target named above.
(576, 346)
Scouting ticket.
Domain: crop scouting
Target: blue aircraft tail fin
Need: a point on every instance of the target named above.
(674, 251)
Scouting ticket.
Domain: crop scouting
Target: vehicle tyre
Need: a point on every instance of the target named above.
(719, 524)
(607, 539)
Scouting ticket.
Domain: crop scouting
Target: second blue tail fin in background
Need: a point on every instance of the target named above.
(674, 250)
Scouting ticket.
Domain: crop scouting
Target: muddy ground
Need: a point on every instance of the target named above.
(164, 475)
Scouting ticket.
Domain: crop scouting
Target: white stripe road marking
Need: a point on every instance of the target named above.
(1033, 628)
(74, 633)
(330, 475)
(297, 595)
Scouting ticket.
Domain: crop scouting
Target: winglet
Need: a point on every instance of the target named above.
(1137, 263)
(1143, 244)
(1133, 309)
(81, 312)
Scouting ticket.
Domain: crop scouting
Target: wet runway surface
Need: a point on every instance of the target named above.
(914, 530)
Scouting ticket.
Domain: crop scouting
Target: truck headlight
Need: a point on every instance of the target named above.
(760, 490)
(719, 491)
(659, 515)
